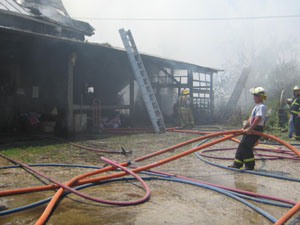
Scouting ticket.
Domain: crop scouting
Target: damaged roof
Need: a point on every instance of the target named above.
(50, 11)
(54, 10)
(116, 53)
(12, 6)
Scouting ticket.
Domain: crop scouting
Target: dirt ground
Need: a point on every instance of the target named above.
(170, 202)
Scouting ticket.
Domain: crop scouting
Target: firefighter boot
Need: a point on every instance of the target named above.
(250, 165)
(236, 164)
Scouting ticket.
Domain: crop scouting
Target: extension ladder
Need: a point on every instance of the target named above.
(143, 81)
(235, 96)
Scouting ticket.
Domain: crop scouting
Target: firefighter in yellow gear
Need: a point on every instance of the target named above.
(185, 109)
(295, 112)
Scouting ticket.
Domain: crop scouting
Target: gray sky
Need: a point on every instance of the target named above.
(208, 43)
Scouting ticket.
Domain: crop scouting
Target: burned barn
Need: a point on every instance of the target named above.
(51, 79)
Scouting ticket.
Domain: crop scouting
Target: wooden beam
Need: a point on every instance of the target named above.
(90, 107)
(201, 91)
(190, 83)
(211, 98)
(131, 100)
(70, 84)
(171, 76)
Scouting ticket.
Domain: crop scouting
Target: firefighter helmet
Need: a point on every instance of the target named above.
(296, 91)
(296, 88)
(259, 91)
(185, 91)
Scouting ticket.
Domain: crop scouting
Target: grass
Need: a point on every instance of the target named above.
(43, 151)
(28, 153)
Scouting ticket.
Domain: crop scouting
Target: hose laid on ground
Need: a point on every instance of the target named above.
(55, 198)
(230, 134)
(210, 135)
(122, 131)
(96, 149)
(259, 154)
(41, 188)
(232, 195)
(145, 198)
(154, 172)
(57, 195)
(200, 132)
(293, 210)
(219, 190)
(85, 195)
(271, 143)
(31, 205)
(262, 200)
(248, 171)
(172, 179)
(164, 174)
(255, 208)
(52, 164)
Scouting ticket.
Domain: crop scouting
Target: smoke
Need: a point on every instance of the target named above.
(269, 46)
(274, 66)
(205, 43)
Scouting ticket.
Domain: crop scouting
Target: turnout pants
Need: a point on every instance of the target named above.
(296, 123)
(244, 153)
(186, 116)
(291, 126)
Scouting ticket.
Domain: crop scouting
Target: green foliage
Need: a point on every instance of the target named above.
(272, 114)
(272, 121)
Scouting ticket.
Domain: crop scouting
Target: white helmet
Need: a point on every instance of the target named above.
(260, 91)
(296, 88)
(296, 91)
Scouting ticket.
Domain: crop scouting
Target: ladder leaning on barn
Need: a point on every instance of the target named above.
(235, 96)
(143, 81)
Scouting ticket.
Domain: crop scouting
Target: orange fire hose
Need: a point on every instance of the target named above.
(57, 195)
(171, 158)
(293, 210)
(199, 132)
(47, 187)
(234, 133)
(229, 134)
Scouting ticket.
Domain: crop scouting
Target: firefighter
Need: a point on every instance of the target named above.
(244, 153)
(289, 102)
(185, 109)
(295, 112)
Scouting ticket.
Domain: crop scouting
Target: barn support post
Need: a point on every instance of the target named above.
(212, 110)
(131, 100)
(70, 85)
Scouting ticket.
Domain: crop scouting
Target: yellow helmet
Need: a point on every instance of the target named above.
(259, 91)
(185, 91)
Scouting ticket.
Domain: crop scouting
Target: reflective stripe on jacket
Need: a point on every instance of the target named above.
(295, 106)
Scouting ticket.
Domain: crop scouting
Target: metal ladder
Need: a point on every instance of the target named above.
(143, 81)
(235, 96)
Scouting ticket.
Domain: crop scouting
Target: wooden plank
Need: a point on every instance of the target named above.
(90, 107)
(70, 84)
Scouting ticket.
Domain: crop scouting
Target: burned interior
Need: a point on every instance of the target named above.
(52, 80)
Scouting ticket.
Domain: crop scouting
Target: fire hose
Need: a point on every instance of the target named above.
(78, 179)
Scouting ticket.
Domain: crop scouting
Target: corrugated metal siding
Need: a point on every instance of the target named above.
(52, 11)
(2, 6)
(11, 5)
